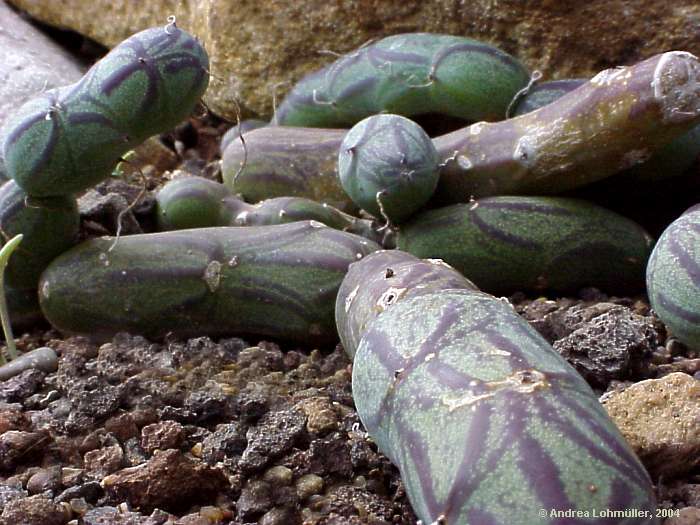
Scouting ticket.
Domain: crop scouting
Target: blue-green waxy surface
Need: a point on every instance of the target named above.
(49, 227)
(195, 202)
(276, 281)
(388, 166)
(407, 74)
(673, 278)
(378, 281)
(509, 244)
(68, 139)
(486, 422)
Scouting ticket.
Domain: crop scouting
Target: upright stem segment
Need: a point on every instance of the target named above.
(5, 253)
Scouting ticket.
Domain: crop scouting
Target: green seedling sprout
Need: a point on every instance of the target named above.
(5, 253)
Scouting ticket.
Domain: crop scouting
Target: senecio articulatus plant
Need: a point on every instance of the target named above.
(409, 74)
(670, 160)
(487, 423)
(388, 166)
(612, 122)
(286, 162)
(441, 371)
(196, 202)
(236, 131)
(673, 277)
(276, 281)
(70, 138)
(507, 244)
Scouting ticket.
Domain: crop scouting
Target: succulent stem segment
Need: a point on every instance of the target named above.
(196, 202)
(286, 162)
(509, 244)
(613, 122)
(383, 279)
(673, 278)
(670, 160)
(484, 419)
(408, 74)
(275, 281)
(388, 166)
(67, 139)
(5, 253)
(486, 422)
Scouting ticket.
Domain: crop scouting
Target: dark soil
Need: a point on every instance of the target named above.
(226, 431)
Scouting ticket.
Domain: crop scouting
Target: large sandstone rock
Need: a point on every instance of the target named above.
(257, 44)
(29, 62)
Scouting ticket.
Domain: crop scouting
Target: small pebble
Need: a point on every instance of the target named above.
(278, 475)
(309, 485)
(659, 419)
(45, 479)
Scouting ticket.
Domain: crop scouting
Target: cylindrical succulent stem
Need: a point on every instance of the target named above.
(380, 280)
(510, 244)
(196, 202)
(70, 138)
(673, 278)
(49, 226)
(611, 123)
(286, 162)
(408, 74)
(235, 132)
(486, 422)
(274, 281)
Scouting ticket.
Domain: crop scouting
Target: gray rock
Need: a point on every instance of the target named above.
(43, 358)
(20, 386)
(228, 440)
(112, 516)
(255, 499)
(275, 434)
(34, 510)
(30, 62)
(610, 345)
(9, 493)
(90, 492)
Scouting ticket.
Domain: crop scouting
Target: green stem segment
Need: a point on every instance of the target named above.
(441, 370)
(5, 253)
